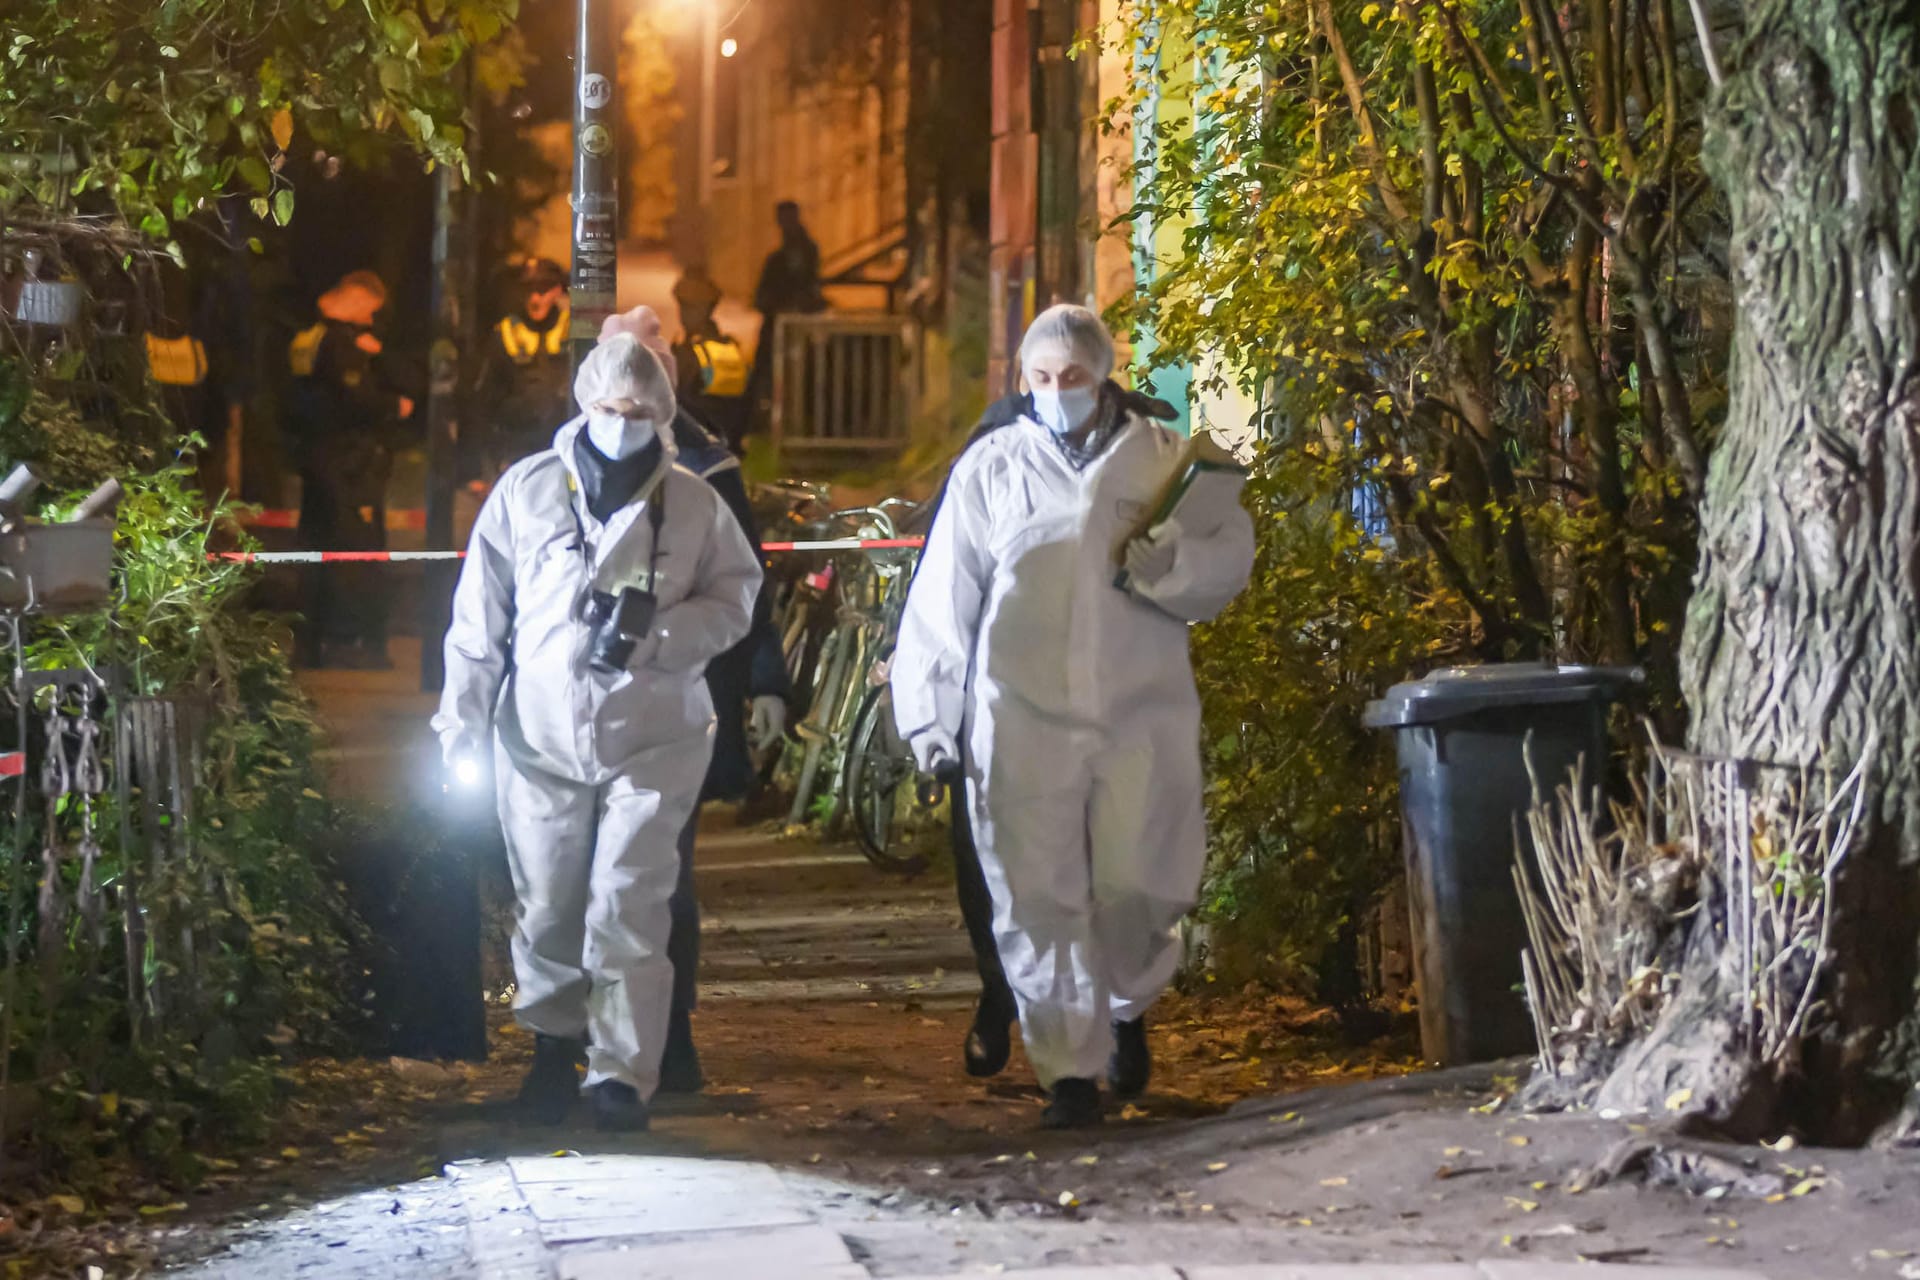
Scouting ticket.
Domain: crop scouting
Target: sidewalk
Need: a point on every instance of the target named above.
(642, 1217)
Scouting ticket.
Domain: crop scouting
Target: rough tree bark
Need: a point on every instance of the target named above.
(1803, 637)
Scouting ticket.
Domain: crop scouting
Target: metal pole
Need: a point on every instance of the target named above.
(453, 300)
(596, 251)
(709, 58)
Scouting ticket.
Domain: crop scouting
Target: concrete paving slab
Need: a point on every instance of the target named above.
(1152, 1272)
(671, 1219)
(801, 1253)
(532, 1170)
(504, 1236)
(1367, 1271)
(1325, 1271)
(1501, 1270)
(589, 1198)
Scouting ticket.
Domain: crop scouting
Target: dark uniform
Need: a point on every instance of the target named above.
(789, 285)
(525, 386)
(754, 668)
(344, 411)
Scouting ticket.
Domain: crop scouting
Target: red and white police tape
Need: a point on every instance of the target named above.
(404, 557)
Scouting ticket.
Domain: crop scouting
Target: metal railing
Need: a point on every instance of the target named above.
(843, 383)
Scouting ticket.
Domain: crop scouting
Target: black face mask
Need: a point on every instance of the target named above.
(608, 484)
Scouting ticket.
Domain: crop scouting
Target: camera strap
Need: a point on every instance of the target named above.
(656, 501)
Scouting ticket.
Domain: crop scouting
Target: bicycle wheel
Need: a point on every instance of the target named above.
(895, 831)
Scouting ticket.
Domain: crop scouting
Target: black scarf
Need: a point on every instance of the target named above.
(610, 483)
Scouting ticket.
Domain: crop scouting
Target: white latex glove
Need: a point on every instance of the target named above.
(1150, 556)
(767, 721)
(934, 749)
(466, 767)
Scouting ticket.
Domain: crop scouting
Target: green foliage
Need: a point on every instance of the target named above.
(1299, 794)
(162, 108)
(1517, 322)
(272, 965)
(1463, 254)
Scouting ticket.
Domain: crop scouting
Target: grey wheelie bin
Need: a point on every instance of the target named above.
(1464, 736)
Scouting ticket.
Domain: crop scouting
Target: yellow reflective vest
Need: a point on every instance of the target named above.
(522, 342)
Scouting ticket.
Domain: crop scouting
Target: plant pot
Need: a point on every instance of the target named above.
(53, 304)
(57, 568)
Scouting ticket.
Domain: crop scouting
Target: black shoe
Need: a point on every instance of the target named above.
(990, 1038)
(680, 1064)
(617, 1108)
(1075, 1105)
(1131, 1065)
(553, 1082)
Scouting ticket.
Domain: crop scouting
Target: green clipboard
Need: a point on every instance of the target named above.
(1203, 456)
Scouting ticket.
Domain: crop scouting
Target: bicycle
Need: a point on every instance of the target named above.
(897, 826)
(870, 591)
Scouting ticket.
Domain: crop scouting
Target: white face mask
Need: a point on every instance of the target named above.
(1065, 412)
(619, 437)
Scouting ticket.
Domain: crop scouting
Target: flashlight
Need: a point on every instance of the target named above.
(466, 771)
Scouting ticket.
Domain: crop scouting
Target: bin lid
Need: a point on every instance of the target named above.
(1453, 692)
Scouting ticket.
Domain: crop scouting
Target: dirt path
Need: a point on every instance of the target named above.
(834, 1003)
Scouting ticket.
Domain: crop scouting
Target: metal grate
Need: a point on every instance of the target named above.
(842, 383)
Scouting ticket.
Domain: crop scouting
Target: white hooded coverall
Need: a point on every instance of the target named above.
(1077, 705)
(597, 773)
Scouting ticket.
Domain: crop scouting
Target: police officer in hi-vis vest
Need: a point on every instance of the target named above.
(525, 382)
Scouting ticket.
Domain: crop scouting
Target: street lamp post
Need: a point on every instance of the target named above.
(594, 279)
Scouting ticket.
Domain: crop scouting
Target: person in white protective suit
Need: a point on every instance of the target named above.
(600, 581)
(1074, 702)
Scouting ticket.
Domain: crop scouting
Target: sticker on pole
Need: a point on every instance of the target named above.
(596, 139)
(596, 91)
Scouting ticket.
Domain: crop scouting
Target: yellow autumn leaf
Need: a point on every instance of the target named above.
(155, 1210)
(282, 127)
(1333, 1182)
(68, 1204)
(1216, 1166)
(1518, 1140)
(1524, 1206)
(1679, 1098)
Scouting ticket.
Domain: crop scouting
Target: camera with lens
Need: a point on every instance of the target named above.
(619, 624)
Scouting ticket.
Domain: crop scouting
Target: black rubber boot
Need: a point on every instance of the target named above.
(990, 1038)
(553, 1082)
(1131, 1065)
(680, 1063)
(617, 1108)
(1075, 1105)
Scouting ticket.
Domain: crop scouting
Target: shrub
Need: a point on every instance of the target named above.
(248, 936)
(1300, 797)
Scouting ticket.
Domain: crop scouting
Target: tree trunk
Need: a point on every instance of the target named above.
(1803, 638)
